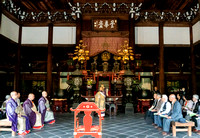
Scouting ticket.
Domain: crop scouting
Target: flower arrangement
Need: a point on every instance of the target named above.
(89, 83)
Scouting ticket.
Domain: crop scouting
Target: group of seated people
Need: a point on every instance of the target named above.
(27, 117)
(162, 112)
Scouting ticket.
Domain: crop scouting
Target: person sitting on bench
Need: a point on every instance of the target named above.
(157, 108)
(3, 107)
(195, 115)
(187, 105)
(164, 110)
(148, 113)
(44, 109)
(194, 109)
(174, 115)
(32, 113)
(198, 122)
(17, 125)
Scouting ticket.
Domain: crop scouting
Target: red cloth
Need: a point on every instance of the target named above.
(97, 45)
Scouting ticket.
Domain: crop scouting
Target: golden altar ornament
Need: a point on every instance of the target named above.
(80, 53)
(125, 53)
(105, 56)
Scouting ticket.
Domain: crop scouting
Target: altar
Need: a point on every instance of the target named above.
(111, 101)
(142, 103)
(59, 105)
(110, 68)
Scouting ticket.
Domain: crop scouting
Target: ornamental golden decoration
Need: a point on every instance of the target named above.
(105, 56)
(80, 53)
(125, 53)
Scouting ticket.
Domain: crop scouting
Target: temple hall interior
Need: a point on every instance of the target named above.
(126, 56)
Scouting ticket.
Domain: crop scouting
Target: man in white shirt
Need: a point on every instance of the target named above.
(195, 112)
(194, 108)
(187, 105)
(165, 109)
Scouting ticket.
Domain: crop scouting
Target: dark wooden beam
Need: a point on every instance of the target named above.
(184, 4)
(32, 5)
(161, 60)
(193, 68)
(42, 6)
(196, 43)
(166, 24)
(108, 1)
(64, 45)
(7, 39)
(137, 24)
(160, 4)
(27, 5)
(49, 61)
(11, 17)
(196, 19)
(105, 34)
(78, 30)
(46, 45)
(176, 45)
(176, 4)
(49, 5)
(18, 63)
(132, 33)
(47, 23)
(165, 45)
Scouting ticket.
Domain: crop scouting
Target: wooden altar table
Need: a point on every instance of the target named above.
(143, 103)
(110, 100)
(59, 105)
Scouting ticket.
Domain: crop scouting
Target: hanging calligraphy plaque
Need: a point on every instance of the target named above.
(105, 24)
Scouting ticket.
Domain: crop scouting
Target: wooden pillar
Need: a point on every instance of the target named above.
(132, 39)
(154, 75)
(161, 61)
(193, 67)
(49, 61)
(132, 34)
(17, 66)
(78, 29)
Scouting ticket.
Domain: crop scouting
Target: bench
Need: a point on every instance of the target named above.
(6, 123)
(189, 126)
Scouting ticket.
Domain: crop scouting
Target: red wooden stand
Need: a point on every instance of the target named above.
(87, 128)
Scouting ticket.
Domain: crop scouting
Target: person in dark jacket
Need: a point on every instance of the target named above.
(180, 99)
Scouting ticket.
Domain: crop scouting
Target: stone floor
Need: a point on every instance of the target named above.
(121, 126)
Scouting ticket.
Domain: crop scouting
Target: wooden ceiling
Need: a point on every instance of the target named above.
(8, 63)
(59, 5)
